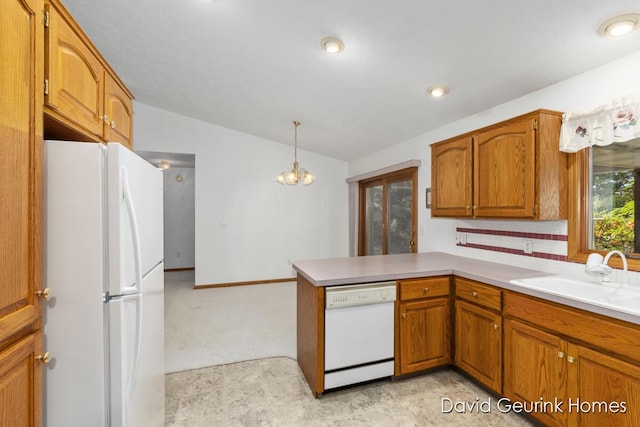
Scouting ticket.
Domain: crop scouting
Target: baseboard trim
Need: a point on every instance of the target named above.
(251, 282)
(169, 270)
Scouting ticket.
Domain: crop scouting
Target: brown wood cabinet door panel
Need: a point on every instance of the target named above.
(424, 334)
(75, 77)
(451, 178)
(119, 113)
(21, 383)
(504, 171)
(534, 368)
(608, 389)
(478, 345)
(21, 50)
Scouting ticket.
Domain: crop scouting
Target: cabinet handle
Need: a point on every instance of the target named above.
(475, 294)
(44, 358)
(404, 315)
(44, 293)
(426, 290)
(561, 354)
(570, 359)
(495, 326)
(104, 118)
(467, 207)
(112, 124)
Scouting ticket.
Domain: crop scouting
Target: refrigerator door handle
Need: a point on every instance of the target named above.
(135, 362)
(135, 235)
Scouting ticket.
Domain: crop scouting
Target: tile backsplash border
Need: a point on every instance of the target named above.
(549, 246)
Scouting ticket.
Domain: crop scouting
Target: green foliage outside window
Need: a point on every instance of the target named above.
(613, 212)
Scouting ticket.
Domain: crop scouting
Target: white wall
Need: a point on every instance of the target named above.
(179, 218)
(248, 227)
(582, 92)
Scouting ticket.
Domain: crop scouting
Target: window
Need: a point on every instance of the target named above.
(603, 194)
(388, 214)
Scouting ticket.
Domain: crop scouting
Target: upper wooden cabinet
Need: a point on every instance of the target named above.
(21, 53)
(84, 99)
(118, 122)
(452, 177)
(513, 169)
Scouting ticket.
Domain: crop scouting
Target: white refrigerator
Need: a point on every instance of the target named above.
(104, 324)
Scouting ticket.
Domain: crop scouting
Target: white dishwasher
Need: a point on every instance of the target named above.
(358, 333)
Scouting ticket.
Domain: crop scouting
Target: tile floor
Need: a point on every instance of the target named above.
(272, 392)
(207, 330)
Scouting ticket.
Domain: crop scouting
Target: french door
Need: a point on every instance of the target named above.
(388, 214)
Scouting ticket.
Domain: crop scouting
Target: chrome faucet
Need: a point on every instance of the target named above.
(625, 266)
(597, 266)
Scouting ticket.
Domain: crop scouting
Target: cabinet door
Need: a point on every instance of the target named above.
(451, 177)
(424, 334)
(534, 368)
(479, 344)
(606, 390)
(118, 123)
(75, 75)
(504, 171)
(21, 383)
(21, 49)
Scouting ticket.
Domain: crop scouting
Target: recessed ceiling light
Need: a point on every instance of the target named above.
(332, 45)
(438, 91)
(620, 25)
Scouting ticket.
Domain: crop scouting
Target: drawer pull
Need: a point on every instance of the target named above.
(560, 354)
(570, 359)
(426, 290)
(475, 294)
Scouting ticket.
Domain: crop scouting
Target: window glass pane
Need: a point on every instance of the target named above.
(399, 217)
(613, 195)
(373, 221)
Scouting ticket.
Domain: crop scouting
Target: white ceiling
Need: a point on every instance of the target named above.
(256, 65)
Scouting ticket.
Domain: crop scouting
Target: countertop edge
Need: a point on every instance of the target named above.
(453, 267)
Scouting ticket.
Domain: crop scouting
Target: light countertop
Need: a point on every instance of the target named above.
(376, 268)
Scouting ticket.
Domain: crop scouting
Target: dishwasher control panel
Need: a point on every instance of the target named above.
(361, 294)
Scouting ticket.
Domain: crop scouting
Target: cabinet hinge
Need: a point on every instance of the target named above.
(45, 19)
(535, 125)
(535, 210)
(46, 86)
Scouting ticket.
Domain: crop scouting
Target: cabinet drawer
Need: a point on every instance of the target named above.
(424, 288)
(478, 293)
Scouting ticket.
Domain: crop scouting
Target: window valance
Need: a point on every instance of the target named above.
(614, 122)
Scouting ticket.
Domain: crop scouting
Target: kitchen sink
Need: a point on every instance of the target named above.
(606, 295)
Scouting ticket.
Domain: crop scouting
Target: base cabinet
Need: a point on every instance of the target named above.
(556, 354)
(478, 348)
(534, 369)
(423, 337)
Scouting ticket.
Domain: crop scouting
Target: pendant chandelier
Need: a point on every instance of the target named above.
(297, 174)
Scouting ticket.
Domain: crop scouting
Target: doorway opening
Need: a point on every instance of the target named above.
(179, 207)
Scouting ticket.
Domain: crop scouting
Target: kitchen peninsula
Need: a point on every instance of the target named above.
(469, 314)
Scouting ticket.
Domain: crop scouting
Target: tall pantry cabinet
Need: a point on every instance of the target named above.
(21, 157)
